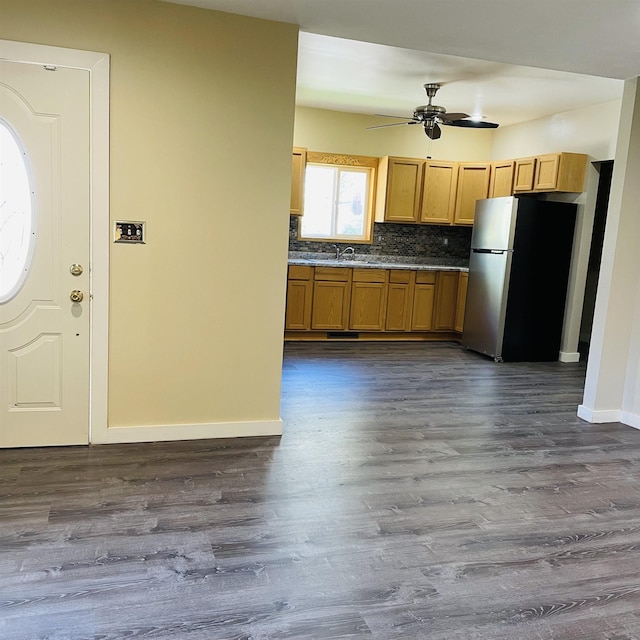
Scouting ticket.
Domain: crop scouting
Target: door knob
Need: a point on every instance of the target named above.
(76, 295)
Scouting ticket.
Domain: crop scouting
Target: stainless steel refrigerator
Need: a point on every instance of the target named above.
(518, 275)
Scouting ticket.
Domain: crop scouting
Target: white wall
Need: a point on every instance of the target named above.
(612, 387)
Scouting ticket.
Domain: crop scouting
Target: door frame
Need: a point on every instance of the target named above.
(97, 64)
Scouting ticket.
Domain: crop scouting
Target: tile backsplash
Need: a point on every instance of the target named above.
(439, 244)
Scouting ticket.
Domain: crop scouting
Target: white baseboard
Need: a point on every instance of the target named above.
(569, 356)
(598, 417)
(630, 419)
(168, 432)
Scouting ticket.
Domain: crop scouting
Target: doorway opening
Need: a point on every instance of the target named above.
(605, 169)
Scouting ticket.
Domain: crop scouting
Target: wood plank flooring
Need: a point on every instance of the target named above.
(420, 491)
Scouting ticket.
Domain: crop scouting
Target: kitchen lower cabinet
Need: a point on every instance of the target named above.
(400, 300)
(299, 297)
(424, 295)
(331, 296)
(461, 300)
(364, 303)
(446, 301)
(368, 299)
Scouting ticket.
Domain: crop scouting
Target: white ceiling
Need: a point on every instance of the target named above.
(509, 60)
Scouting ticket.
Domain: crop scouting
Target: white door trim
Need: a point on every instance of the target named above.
(98, 66)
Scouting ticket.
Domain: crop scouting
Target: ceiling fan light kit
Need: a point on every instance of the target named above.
(431, 116)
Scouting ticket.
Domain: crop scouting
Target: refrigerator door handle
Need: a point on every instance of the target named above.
(496, 251)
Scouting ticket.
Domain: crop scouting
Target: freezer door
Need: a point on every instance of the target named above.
(494, 223)
(486, 302)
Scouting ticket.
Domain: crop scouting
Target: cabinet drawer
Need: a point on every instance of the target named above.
(300, 272)
(370, 275)
(426, 277)
(402, 277)
(334, 274)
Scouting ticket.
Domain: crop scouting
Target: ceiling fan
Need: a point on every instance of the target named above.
(431, 116)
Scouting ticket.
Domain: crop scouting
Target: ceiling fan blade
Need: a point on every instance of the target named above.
(386, 115)
(450, 117)
(472, 124)
(393, 124)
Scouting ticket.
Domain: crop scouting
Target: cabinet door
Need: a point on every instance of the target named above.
(404, 187)
(501, 183)
(546, 173)
(473, 184)
(298, 313)
(446, 300)
(462, 300)
(330, 309)
(400, 300)
(439, 192)
(523, 174)
(422, 313)
(298, 164)
(368, 306)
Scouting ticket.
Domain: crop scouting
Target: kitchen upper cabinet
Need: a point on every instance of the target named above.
(560, 172)
(523, 174)
(501, 182)
(299, 297)
(368, 299)
(446, 300)
(461, 300)
(473, 184)
(400, 300)
(439, 192)
(331, 295)
(298, 165)
(424, 295)
(399, 189)
(551, 172)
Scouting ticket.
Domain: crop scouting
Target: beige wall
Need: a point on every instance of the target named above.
(196, 314)
(340, 132)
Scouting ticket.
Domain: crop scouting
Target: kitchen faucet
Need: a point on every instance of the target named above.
(341, 254)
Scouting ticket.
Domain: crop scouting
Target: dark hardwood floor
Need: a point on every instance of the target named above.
(420, 491)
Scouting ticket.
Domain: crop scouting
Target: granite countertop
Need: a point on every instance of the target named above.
(370, 262)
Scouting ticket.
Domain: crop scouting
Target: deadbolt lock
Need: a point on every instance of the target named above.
(76, 295)
(76, 269)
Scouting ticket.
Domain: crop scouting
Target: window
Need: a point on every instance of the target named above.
(338, 198)
(17, 233)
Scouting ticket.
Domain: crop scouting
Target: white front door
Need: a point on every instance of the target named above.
(44, 245)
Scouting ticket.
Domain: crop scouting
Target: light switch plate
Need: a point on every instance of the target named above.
(129, 232)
